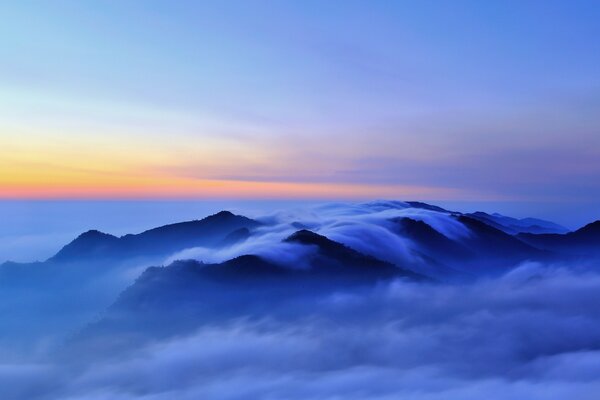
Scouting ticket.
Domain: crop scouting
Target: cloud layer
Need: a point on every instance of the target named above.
(365, 227)
(533, 333)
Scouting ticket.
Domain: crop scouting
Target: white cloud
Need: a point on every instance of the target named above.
(533, 334)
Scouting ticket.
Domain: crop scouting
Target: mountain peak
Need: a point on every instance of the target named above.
(425, 206)
(93, 233)
(92, 242)
(93, 236)
(304, 236)
(222, 214)
(591, 228)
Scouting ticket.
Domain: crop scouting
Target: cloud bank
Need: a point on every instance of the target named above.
(533, 333)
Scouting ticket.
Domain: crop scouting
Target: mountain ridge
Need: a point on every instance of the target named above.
(162, 240)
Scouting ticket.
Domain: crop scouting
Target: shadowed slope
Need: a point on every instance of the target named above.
(584, 241)
(333, 257)
(485, 250)
(188, 293)
(164, 240)
(514, 226)
(490, 242)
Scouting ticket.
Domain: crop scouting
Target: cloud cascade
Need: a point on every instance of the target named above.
(365, 227)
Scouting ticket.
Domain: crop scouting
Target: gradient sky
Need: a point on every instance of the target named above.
(456, 100)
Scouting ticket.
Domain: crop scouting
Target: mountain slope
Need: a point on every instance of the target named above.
(584, 241)
(187, 293)
(493, 243)
(485, 250)
(164, 240)
(335, 258)
(514, 226)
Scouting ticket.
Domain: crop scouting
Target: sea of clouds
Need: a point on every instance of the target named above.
(531, 333)
(534, 333)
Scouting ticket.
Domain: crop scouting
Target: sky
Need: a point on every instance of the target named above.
(470, 101)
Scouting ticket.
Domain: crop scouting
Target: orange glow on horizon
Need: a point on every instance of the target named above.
(210, 189)
(44, 172)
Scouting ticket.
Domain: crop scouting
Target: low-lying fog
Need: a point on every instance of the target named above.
(531, 334)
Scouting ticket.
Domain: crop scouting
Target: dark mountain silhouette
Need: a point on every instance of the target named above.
(394, 204)
(514, 226)
(492, 243)
(584, 241)
(91, 244)
(430, 241)
(187, 293)
(485, 250)
(434, 252)
(249, 281)
(92, 267)
(335, 258)
(208, 232)
(488, 245)
(425, 206)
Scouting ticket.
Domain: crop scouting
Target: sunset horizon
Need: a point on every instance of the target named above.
(353, 102)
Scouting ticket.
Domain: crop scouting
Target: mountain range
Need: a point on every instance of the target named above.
(221, 228)
(267, 263)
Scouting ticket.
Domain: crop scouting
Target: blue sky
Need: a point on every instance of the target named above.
(456, 101)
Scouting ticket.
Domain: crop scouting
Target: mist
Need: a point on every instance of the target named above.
(533, 333)
(366, 227)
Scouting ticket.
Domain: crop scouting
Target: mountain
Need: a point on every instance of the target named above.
(491, 243)
(584, 241)
(334, 258)
(379, 205)
(429, 240)
(382, 241)
(86, 275)
(484, 250)
(488, 246)
(425, 206)
(165, 240)
(329, 261)
(186, 293)
(91, 244)
(514, 226)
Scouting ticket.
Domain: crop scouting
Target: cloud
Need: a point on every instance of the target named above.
(533, 333)
(365, 227)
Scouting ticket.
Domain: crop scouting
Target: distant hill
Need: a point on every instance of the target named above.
(584, 241)
(513, 225)
(165, 240)
(486, 250)
(188, 292)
